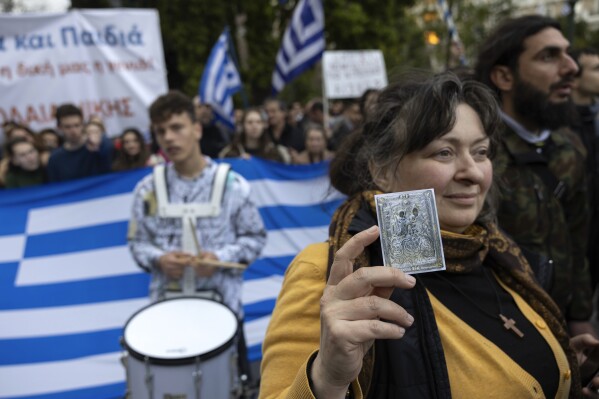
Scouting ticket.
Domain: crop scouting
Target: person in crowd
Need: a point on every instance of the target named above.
(134, 152)
(26, 167)
(279, 129)
(6, 126)
(95, 131)
(344, 326)
(314, 115)
(254, 141)
(157, 155)
(175, 235)
(585, 94)
(295, 115)
(347, 123)
(50, 139)
(95, 118)
(336, 108)
(540, 162)
(16, 130)
(214, 135)
(316, 147)
(238, 118)
(85, 152)
(367, 101)
(20, 130)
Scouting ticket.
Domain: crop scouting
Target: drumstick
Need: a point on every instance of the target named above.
(219, 263)
(195, 237)
(212, 262)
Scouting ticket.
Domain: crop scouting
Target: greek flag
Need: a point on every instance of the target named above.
(452, 29)
(68, 283)
(220, 80)
(303, 43)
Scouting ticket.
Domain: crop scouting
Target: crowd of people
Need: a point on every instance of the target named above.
(78, 147)
(511, 148)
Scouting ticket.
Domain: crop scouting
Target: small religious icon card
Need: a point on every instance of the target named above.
(410, 232)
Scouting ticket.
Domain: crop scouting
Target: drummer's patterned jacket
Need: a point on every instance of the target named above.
(236, 235)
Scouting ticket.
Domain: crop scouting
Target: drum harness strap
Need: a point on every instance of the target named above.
(188, 213)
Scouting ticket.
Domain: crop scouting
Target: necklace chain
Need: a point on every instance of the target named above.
(508, 323)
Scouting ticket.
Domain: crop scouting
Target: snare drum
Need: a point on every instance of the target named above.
(182, 348)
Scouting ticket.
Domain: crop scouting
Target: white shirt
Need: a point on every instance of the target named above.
(237, 234)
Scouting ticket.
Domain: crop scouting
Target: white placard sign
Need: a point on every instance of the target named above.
(109, 62)
(347, 74)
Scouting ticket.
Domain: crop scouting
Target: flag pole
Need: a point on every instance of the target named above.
(325, 100)
(244, 97)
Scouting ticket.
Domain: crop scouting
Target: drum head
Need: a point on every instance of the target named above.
(179, 330)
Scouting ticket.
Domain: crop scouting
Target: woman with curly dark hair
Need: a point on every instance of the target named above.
(254, 141)
(134, 152)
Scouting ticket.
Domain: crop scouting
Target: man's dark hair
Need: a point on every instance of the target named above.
(53, 132)
(282, 105)
(317, 106)
(10, 145)
(577, 53)
(172, 103)
(505, 44)
(348, 103)
(65, 110)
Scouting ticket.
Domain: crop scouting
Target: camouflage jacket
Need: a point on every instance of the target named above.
(530, 211)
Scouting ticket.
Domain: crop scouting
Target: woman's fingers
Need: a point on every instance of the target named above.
(583, 341)
(345, 256)
(369, 308)
(364, 280)
(361, 331)
(583, 345)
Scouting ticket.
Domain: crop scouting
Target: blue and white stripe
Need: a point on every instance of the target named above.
(68, 283)
(452, 29)
(220, 80)
(303, 43)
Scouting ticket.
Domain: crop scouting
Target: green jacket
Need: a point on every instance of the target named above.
(17, 177)
(533, 215)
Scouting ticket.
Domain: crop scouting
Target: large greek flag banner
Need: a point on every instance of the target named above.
(303, 43)
(220, 80)
(68, 283)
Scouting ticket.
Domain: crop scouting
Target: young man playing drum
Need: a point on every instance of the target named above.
(193, 221)
(194, 226)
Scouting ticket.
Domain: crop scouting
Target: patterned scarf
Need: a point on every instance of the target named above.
(463, 253)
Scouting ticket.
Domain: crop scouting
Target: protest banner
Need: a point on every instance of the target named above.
(108, 62)
(347, 74)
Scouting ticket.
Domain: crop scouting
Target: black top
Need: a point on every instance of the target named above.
(213, 140)
(290, 137)
(531, 352)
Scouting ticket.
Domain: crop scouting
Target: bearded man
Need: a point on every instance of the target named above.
(539, 165)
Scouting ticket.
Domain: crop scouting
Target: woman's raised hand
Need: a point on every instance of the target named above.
(354, 311)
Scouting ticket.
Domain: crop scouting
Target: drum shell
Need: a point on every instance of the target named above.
(153, 370)
(218, 378)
